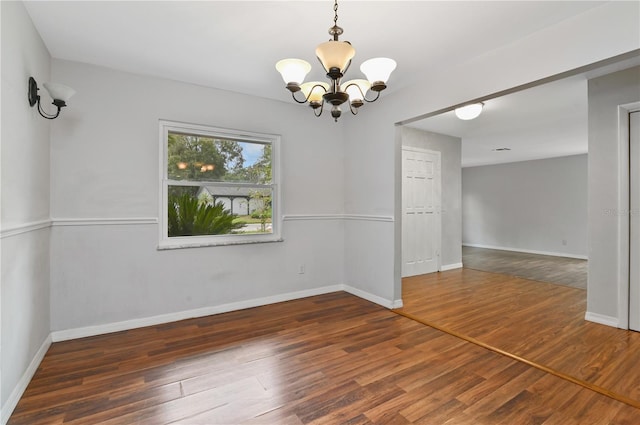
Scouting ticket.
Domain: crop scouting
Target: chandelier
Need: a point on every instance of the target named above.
(335, 57)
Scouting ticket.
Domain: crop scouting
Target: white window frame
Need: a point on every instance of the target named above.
(165, 242)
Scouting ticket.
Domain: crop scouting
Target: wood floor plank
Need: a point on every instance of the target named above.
(274, 417)
(540, 322)
(330, 359)
(543, 268)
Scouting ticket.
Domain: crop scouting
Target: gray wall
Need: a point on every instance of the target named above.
(605, 94)
(450, 149)
(101, 268)
(24, 238)
(527, 206)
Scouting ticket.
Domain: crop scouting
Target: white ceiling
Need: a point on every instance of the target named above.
(540, 122)
(234, 45)
(546, 121)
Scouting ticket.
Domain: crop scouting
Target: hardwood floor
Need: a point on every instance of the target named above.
(330, 359)
(537, 321)
(543, 268)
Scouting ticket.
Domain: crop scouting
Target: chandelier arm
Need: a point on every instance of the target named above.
(364, 95)
(314, 87)
(321, 108)
(306, 99)
(293, 95)
(356, 86)
(346, 68)
(354, 111)
(372, 100)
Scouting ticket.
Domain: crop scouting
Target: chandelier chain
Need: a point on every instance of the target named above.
(335, 10)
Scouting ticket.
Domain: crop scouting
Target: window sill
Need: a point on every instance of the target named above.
(168, 245)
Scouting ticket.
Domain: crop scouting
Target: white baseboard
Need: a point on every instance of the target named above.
(371, 297)
(527, 251)
(188, 314)
(64, 335)
(397, 304)
(22, 384)
(446, 267)
(602, 319)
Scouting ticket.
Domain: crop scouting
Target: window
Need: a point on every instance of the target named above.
(219, 186)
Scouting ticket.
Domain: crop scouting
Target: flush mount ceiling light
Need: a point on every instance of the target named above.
(469, 112)
(58, 92)
(335, 57)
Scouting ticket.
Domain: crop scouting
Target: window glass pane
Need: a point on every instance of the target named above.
(218, 210)
(203, 158)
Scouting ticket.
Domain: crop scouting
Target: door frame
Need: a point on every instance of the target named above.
(624, 282)
(437, 212)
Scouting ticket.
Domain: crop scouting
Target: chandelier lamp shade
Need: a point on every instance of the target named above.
(335, 57)
(58, 92)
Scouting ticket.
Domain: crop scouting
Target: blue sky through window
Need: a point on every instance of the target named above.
(251, 152)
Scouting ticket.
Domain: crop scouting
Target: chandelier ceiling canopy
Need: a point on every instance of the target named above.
(335, 57)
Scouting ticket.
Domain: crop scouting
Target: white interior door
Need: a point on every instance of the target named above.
(420, 211)
(634, 221)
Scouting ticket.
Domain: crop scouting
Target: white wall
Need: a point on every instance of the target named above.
(105, 167)
(373, 146)
(24, 211)
(605, 94)
(450, 149)
(369, 158)
(527, 206)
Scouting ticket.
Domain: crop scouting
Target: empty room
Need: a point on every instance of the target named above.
(203, 217)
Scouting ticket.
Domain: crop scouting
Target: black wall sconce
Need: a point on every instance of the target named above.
(58, 92)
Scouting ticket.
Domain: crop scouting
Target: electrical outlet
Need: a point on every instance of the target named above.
(301, 269)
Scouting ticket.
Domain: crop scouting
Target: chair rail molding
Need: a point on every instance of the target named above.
(103, 221)
(356, 217)
(19, 229)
